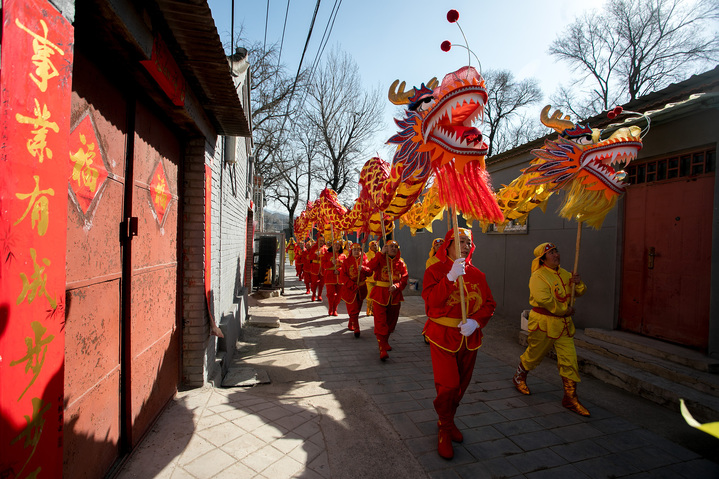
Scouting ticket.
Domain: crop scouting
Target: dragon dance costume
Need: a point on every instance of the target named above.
(453, 354)
(353, 274)
(550, 324)
(299, 261)
(330, 266)
(386, 304)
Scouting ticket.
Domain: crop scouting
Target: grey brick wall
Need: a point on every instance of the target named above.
(205, 357)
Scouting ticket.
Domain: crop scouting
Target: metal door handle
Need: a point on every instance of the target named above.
(651, 257)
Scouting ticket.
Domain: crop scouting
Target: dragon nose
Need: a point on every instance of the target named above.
(472, 135)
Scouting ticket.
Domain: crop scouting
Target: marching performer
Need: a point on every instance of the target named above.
(386, 294)
(454, 344)
(332, 260)
(306, 265)
(370, 282)
(354, 289)
(550, 324)
(433, 252)
(314, 258)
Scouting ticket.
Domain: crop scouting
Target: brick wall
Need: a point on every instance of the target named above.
(205, 358)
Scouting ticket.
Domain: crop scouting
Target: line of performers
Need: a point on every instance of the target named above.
(380, 276)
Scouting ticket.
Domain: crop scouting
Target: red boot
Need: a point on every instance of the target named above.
(444, 442)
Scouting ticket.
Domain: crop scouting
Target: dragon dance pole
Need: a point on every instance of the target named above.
(334, 253)
(576, 258)
(384, 240)
(458, 254)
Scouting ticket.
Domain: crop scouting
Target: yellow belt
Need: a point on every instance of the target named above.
(315, 261)
(446, 321)
(386, 284)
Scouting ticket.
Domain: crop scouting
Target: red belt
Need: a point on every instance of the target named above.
(539, 310)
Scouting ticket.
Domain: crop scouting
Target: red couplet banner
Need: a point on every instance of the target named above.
(35, 96)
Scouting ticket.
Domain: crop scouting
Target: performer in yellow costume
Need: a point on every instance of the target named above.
(433, 251)
(550, 324)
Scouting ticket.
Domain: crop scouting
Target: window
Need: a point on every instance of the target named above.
(688, 164)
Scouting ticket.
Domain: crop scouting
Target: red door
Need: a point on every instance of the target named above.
(666, 265)
(122, 351)
(94, 274)
(154, 352)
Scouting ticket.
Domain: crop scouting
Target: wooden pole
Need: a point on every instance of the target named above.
(458, 254)
(576, 258)
(386, 256)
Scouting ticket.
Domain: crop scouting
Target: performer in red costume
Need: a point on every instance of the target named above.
(354, 289)
(373, 249)
(454, 344)
(306, 265)
(314, 258)
(332, 260)
(387, 295)
(550, 324)
(299, 261)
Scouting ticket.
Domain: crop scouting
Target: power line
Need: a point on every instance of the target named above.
(284, 27)
(267, 16)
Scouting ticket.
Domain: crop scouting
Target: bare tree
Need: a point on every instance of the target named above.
(273, 98)
(507, 99)
(632, 48)
(343, 116)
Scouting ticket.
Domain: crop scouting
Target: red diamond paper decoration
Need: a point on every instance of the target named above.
(87, 167)
(160, 192)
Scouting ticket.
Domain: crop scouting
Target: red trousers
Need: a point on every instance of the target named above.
(307, 278)
(452, 375)
(333, 296)
(318, 281)
(385, 318)
(353, 310)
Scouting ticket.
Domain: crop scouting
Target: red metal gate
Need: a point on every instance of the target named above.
(122, 348)
(667, 260)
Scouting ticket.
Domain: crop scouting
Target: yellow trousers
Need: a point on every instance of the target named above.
(539, 345)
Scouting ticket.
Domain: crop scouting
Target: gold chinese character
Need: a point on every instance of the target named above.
(36, 351)
(43, 49)
(35, 285)
(82, 172)
(40, 206)
(33, 430)
(160, 195)
(37, 146)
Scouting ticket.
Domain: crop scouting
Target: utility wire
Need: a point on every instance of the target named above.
(267, 16)
(284, 27)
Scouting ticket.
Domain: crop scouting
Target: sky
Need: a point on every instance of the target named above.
(400, 39)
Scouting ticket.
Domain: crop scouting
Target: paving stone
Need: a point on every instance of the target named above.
(562, 472)
(209, 464)
(493, 448)
(536, 460)
(536, 440)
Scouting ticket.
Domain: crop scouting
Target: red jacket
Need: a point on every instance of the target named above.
(442, 305)
(352, 268)
(328, 267)
(313, 259)
(380, 292)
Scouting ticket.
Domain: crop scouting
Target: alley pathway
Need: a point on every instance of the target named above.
(333, 410)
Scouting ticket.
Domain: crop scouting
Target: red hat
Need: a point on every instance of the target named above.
(449, 239)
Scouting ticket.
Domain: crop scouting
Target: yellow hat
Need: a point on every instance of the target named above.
(539, 251)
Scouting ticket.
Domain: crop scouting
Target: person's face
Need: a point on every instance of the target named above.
(552, 258)
(437, 244)
(392, 250)
(373, 247)
(356, 252)
(337, 246)
(465, 245)
(321, 241)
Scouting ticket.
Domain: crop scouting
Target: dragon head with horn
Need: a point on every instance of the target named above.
(587, 163)
(438, 133)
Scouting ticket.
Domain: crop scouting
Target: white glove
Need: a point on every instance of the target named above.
(469, 327)
(457, 270)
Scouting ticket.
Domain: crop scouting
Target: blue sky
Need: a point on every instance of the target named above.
(400, 39)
